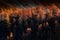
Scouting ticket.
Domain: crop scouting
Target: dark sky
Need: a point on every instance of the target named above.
(7, 3)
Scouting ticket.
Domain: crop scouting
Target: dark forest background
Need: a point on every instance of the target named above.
(7, 3)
